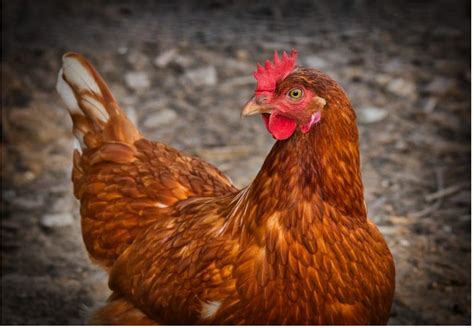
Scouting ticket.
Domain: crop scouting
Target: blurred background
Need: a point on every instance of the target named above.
(182, 71)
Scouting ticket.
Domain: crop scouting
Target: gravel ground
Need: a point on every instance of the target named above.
(183, 71)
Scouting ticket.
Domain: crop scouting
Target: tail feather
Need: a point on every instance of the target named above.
(96, 115)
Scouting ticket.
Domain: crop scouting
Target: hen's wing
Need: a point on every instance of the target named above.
(183, 268)
(123, 181)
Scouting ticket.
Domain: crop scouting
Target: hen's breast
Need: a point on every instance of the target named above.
(328, 274)
(197, 267)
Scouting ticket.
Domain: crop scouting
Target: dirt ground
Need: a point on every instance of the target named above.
(182, 72)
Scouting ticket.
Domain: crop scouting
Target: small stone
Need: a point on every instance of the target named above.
(137, 81)
(388, 230)
(446, 32)
(9, 195)
(401, 145)
(382, 79)
(385, 183)
(463, 197)
(447, 229)
(161, 117)
(154, 105)
(206, 76)
(122, 50)
(404, 242)
(315, 61)
(274, 45)
(449, 66)
(138, 60)
(394, 66)
(442, 86)
(402, 87)
(62, 205)
(163, 59)
(232, 64)
(369, 115)
(57, 220)
(430, 105)
(183, 61)
(27, 203)
(237, 82)
(29, 176)
(242, 54)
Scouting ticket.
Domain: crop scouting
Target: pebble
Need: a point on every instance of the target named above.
(242, 54)
(232, 64)
(137, 60)
(385, 183)
(137, 81)
(404, 242)
(62, 204)
(28, 203)
(237, 82)
(394, 66)
(402, 87)
(449, 66)
(183, 61)
(315, 62)
(463, 197)
(401, 145)
(122, 50)
(388, 230)
(369, 115)
(442, 86)
(161, 117)
(274, 45)
(447, 228)
(447, 32)
(205, 76)
(163, 59)
(56, 220)
(382, 79)
(430, 105)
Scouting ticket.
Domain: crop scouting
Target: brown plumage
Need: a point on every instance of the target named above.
(183, 245)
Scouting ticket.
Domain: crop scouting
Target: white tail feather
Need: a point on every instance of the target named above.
(80, 92)
(92, 105)
(67, 94)
(94, 108)
(74, 75)
(78, 75)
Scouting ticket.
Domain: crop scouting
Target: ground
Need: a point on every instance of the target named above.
(182, 72)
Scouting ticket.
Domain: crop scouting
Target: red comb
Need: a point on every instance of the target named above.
(268, 76)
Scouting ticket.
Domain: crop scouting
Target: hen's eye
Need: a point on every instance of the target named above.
(295, 93)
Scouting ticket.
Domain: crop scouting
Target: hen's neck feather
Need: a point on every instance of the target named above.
(314, 170)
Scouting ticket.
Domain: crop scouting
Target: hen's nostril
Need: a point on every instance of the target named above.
(261, 100)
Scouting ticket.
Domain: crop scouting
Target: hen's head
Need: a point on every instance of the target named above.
(289, 97)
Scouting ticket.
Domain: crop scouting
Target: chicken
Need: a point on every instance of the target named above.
(182, 245)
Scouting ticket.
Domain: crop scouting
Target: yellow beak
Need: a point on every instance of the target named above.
(255, 106)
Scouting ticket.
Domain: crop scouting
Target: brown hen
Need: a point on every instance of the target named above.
(183, 245)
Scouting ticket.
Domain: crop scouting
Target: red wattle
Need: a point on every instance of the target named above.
(279, 126)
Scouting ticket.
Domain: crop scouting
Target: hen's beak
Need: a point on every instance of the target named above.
(255, 106)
